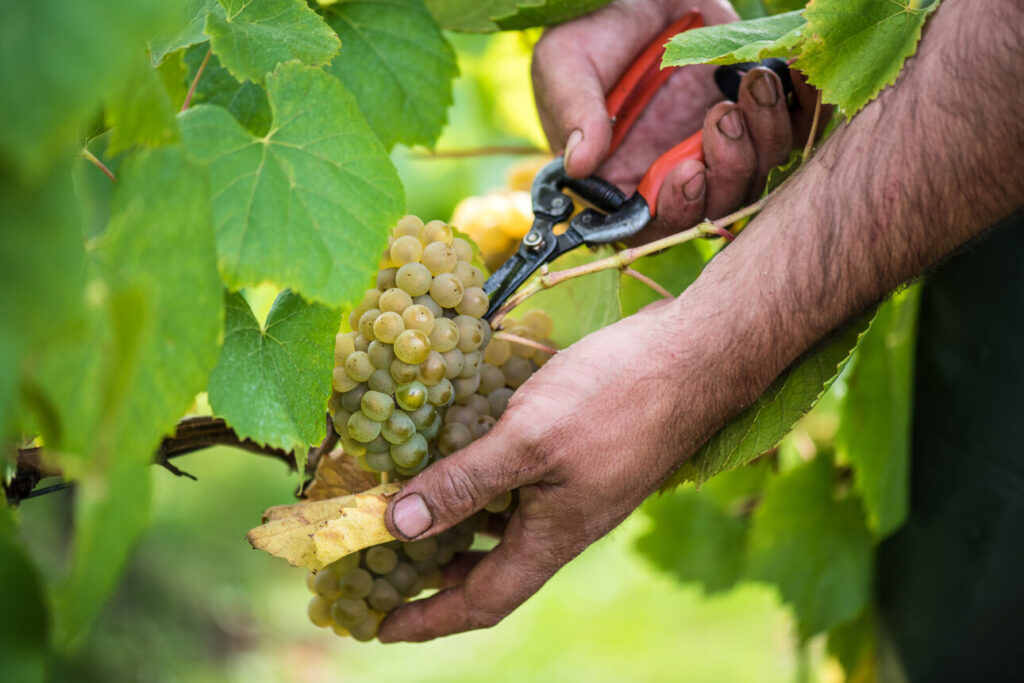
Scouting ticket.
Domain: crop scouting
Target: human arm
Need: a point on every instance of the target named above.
(920, 171)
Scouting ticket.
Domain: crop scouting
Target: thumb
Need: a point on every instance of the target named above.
(454, 488)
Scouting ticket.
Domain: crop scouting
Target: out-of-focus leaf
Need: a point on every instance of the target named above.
(749, 9)
(337, 474)
(24, 619)
(183, 30)
(781, 6)
(485, 16)
(875, 413)
(742, 41)
(816, 548)
(545, 13)
(313, 534)
(674, 269)
(854, 644)
(139, 110)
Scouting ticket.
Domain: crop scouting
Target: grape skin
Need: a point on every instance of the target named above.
(388, 326)
(412, 346)
(358, 366)
(410, 453)
(394, 300)
(446, 290)
(411, 396)
(380, 354)
(418, 317)
(398, 428)
(439, 258)
(406, 249)
(414, 278)
(363, 429)
(444, 336)
(377, 406)
(474, 302)
(382, 381)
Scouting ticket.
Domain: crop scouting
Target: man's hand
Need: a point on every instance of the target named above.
(576, 64)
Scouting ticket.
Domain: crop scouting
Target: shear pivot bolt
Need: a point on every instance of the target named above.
(533, 239)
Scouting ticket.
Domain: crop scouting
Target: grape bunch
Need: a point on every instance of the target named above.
(353, 594)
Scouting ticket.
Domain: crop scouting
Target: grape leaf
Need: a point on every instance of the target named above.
(485, 16)
(815, 548)
(338, 474)
(315, 533)
(246, 101)
(780, 6)
(184, 30)
(251, 38)
(111, 512)
(309, 205)
(742, 41)
(57, 59)
(24, 620)
(397, 64)
(120, 376)
(580, 306)
(545, 13)
(272, 381)
(674, 269)
(774, 413)
(749, 9)
(139, 110)
(858, 47)
(855, 645)
(875, 413)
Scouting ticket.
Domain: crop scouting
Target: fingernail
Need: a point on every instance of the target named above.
(575, 138)
(694, 187)
(412, 516)
(764, 92)
(731, 125)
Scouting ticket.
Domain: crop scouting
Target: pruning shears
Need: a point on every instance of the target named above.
(614, 216)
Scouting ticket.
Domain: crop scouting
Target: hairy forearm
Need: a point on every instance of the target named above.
(921, 170)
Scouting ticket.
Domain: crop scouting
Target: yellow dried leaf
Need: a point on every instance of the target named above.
(337, 474)
(315, 533)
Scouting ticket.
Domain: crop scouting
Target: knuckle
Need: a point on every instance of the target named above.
(479, 617)
(458, 491)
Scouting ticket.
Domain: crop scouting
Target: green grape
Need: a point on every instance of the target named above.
(377, 406)
(379, 462)
(382, 381)
(441, 394)
(430, 304)
(358, 366)
(340, 380)
(366, 630)
(471, 333)
(412, 346)
(413, 278)
(406, 249)
(395, 300)
(403, 373)
(539, 323)
(319, 611)
(339, 418)
(497, 352)
(410, 472)
(474, 302)
(521, 350)
(418, 317)
(433, 369)
(348, 612)
(453, 437)
(468, 275)
(439, 258)
(464, 387)
(424, 567)
(363, 429)
(325, 584)
(462, 542)
(477, 403)
(344, 344)
(500, 504)
(444, 336)
(309, 581)
(368, 301)
(455, 361)
(386, 279)
(471, 363)
(340, 631)
(491, 378)
(517, 370)
(541, 357)
(350, 445)
(410, 453)
(384, 597)
(366, 324)
(408, 225)
(431, 430)
(350, 400)
(438, 231)
(356, 583)
(334, 403)
(421, 550)
(362, 343)
(380, 560)
(445, 553)
(388, 326)
(398, 428)
(481, 426)
(461, 414)
(402, 577)
(498, 401)
(463, 249)
(446, 290)
(344, 564)
(380, 354)
(432, 578)
(411, 396)
(360, 461)
(423, 416)
(378, 445)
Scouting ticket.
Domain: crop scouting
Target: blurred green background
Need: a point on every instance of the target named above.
(197, 604)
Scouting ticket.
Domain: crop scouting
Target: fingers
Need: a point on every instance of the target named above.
(680, 201)
(768, 123)
(457, 486)
(730, 158)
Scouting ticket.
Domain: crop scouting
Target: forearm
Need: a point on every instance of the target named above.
(921, 170)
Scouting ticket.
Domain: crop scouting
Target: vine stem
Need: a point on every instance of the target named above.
(809, 147)
(195, 81)
(91, 158)
(525, 341)
(637, 275)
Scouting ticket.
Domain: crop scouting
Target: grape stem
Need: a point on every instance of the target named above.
(91, 158)
(525, 341)
(636, 275)
(809, 147)
(195, 81)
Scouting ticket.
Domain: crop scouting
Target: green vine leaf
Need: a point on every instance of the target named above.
(139, 111)
(857, 47)
(485, 16)
(185, 30)
(252, 38)
(773, 414)
(398, 66)
(24, 621)
(875, 413)
(273, 380)
(742, 41)
(545, 13)
(307, 206)
(814, 547)
(674, 269)
(246, 101)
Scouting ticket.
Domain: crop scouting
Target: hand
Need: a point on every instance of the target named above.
(585, 440)
(577, 63)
